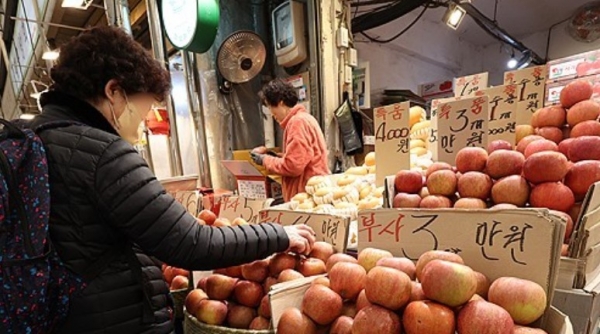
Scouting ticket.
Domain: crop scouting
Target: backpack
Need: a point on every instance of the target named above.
(35, 284)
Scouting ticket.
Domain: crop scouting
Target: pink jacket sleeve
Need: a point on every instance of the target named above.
(297, 152)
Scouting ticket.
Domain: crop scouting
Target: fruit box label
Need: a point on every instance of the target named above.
(531, 98)
(190, 200)
(467, 86)
(502, 112)
(248, 209)
(520, 243)
(329, 228)
(392, 139)
(461, 124)
(537, 74)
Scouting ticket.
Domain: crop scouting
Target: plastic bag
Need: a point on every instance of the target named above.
(350, 136)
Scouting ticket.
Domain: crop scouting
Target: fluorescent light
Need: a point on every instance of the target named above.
(50, 55)
(27, 116)
(36, 95)
(512, 63)
(79, 4)
(454, 16)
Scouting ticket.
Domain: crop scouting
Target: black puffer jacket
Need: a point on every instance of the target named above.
(107, 204)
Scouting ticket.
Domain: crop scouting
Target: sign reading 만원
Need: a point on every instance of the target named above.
(536, 75)
(467, 86)
(501, 112)
(248, 209)
(461, 124)
(190, 200)
(520, 243)
(329, 228)
(392, 139)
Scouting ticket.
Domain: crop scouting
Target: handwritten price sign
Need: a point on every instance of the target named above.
(461, 124)
(502, 112)
(392, 139)
(520, 243)
(531, 98)
(467, 86)
(233, 207)
(536, 75)
(190, 200)
(329, 228)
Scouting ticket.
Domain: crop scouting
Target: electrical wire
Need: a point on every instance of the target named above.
(550, 35)
(385, 41)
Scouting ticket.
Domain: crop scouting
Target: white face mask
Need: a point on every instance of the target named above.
(128, 123)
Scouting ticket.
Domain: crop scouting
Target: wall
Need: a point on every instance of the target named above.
(429, 51)
(561, 45)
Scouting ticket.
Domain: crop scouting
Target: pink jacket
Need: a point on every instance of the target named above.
(304, 152)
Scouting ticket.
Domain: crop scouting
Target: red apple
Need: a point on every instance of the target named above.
(292, 321)
(311, 267)
(449, 283)
(212, 312)
(220, 287)
(376, 319)
(347, 279)
(499, 145)
(256, 271)
(408, 181)
(405, 200)
(388, 287)
(524, 300)
(208, 216)
(368, 257)
(400, 263)
(179, 282)
(429, 256)
(281, 262)
(339, 257)
(248, 293)
(322, 251)
(428, 317)
(481, 317)
(193, 299)
(322, 304)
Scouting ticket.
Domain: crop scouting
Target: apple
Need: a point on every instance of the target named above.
(311, 267)
(471, 159)
(268, 283)
(220, 287)
(408, 181)
(169, 274)
(208, 216)
(193, 299)
(280, 262)
(376, 319)
(428, 317)
(449, 283)
(362, 301)
(248, 293)
(499, 145)
(264, 309)
(475, 185)
(429, 256)
(240, 316)
(260, 323)
(388, 287)
(202, 283)
(179, 283)
(437, 166)
(289, 275)
(528, 330)
(416, 293)
(368, 257)
(405, 200)
(483, 285)
(292, 321)
(256, 271)
(478, 317)
(524, 300)
(400, 263)
(235, 271)
(442, 182)
(323, 281)
(212, 312)
(347, 279)
(339, 257)
(342, 325)
(322, 304)
(322, 251)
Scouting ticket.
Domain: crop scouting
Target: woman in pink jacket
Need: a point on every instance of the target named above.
(304, 151)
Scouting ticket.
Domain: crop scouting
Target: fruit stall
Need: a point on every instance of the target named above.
(479, 213)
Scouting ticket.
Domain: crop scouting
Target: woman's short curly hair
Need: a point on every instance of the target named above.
(89, 61)
(277, 91)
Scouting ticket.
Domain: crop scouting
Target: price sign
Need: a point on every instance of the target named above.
(461, 124)
(233, 207)
(190, 200)
(392, 139)
(501, 112)
(467, 86)
(519, 243)
(329, 228)
(252, 188)
(536, 75)
(432, 141)
(531, 98)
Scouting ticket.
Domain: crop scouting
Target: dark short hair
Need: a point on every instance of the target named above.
(277, 91)
(89, 61)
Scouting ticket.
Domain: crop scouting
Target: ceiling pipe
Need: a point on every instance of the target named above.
(369, 21)
(493, 29)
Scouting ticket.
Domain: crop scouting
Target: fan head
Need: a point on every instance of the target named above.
(584, 26)
(241, 56)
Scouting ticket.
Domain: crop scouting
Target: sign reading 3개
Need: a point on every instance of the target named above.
(248, 209)
(392, 140)
(501, 112)
(519, 243)
(462, 123)
(329, 228)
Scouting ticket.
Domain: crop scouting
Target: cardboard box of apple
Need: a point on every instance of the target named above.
(382, 294)
(236, 297)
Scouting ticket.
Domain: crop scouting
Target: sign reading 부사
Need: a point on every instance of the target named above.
(467, 86)
(329, 228)
(501, 112)
(392, 139)
(519, 243)
(461, 124)
(248, 209)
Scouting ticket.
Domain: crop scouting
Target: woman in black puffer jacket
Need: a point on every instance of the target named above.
(109, 213)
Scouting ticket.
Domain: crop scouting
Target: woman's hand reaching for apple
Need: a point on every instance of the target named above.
(301, 237)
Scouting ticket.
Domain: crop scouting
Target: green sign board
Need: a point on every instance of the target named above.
(191, 24)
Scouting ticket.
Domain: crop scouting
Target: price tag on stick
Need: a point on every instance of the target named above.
(461, 124)
(392, 140)
(467, 86)
(501, 112)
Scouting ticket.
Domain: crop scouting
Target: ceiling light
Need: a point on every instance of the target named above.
(50, 55)
(79, 4)
(27, 116)
(454, 16)
(512, 63)
(36, 95)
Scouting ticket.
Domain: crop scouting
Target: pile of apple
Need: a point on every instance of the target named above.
(236, 297)
(176, 278)
(207, 217)
(378, 294)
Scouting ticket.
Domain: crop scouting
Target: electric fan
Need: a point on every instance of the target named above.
(240, 58)
(584, 26)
